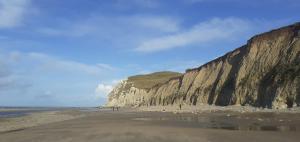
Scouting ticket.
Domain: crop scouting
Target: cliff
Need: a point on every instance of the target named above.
(131, 92)
(263, 73)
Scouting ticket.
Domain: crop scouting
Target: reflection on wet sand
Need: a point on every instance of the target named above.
(253, 122)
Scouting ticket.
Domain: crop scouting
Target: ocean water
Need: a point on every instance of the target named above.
(7, 114)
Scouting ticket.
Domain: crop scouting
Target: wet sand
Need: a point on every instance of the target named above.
(20, 119)
(136, 126)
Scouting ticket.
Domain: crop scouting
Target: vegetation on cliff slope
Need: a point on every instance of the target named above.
(147, 81)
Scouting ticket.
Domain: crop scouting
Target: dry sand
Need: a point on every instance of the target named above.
(136, 126)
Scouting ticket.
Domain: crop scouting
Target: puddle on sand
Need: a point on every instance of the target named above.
(280, 128)
(225, 123)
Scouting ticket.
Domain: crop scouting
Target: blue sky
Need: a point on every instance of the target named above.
(72, 52)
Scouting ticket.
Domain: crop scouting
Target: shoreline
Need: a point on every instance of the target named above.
(36, 119)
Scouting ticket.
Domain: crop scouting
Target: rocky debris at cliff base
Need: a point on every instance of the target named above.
(213, 108)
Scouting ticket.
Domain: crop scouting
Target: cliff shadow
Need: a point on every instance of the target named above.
(297, 99)
(212, 93)
(226, 96)
(267, 89)
(279, 76)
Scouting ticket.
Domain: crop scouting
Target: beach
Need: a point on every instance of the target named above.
(21, 119)
(134, 125)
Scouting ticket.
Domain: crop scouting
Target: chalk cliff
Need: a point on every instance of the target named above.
(263, 73)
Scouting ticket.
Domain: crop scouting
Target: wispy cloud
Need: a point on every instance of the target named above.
(106, 66)
(166, 24)
(111, 27)
(71, 30)
(50, 63)
(252, 3)
(194, 1)
(204, 32)
(4, 70)
(12, 12)
(35, 63)
(35, 74)
(127, 4)
(10, 81)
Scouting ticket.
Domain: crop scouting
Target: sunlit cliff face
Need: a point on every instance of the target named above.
(263, 73)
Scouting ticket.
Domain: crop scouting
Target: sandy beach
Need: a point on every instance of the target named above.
(36, 119)
(133, 125)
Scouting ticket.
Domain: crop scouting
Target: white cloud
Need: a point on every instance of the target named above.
(4, 70)
(12, 12)
(165, 24)
(106, 66)
(102, 90)
(50, 63)
(194, 1)
(9, 80)
(13, 82)
(76, 30)
(113, 28)
(147, 3)
(41, 76)
(127, 4)
(42, 64)
(204, 32)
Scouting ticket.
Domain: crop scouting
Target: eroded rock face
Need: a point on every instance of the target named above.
(263, 73)
(124, 96)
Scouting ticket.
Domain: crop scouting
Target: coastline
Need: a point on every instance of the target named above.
(37, 119)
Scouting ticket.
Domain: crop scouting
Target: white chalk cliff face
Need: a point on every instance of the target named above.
(263, 73)
(121, 95)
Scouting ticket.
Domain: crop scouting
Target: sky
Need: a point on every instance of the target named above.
(72, 52)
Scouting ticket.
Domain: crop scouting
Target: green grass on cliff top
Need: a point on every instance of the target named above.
(149, 80)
